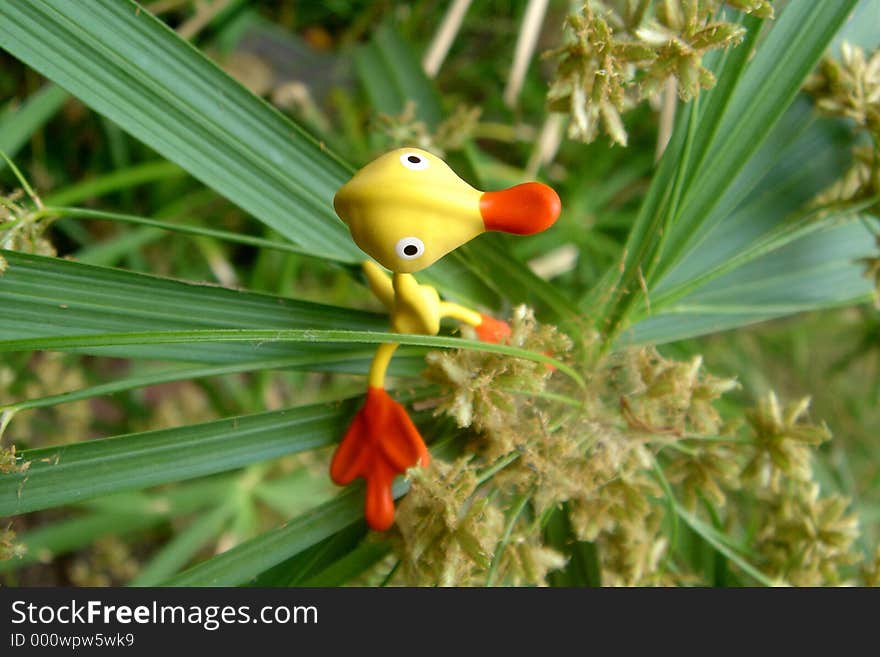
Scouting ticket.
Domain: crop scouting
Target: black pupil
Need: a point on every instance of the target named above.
(415, 159)
(410, 249)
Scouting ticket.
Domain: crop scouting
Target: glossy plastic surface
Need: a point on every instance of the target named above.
(407, 209)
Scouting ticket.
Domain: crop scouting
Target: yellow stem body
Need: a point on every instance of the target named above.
(414, 308)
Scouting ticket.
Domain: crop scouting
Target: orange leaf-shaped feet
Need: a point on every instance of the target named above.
(380, 443)
(492, 330)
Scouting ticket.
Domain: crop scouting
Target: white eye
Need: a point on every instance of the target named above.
(410, 248)
(414, 161)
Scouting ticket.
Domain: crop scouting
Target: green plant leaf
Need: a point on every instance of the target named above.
(17, 126)
(262, 336)
(130, 67)
(296, 492)
(392, 76)
(722, 544)
(759, 99)
(802, 155)
(351, 565)
(247, 560)
(243, 563)
(116, 514)
(582, 568)
(818, 271)
(53, 297)
(763, 259)
(138, 174)
(51, 541)
(156, 378)
(309, 562)
(186, 229)
(72, 473)
(185, 544)
(720, 153)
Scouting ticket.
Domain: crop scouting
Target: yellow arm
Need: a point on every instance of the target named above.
(414, 308)
(381, 285)
(462, 314)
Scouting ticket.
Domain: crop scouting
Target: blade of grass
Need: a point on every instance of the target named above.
(324, 554)
(138, 174)
(582, 568)
(227, 236)
(799, 158)
(166, 376)
(262, 336)
(296, 492)
(246, 560)
(132, 68)
(49, 542)
(57, 297)
(775, 240)
(290, 571)
(183, 547)
(767, 88)
(21, 123)
(72, 473)
(351, 565)
(819, 270)
(724, 137)
(722, 545)
(116, 514)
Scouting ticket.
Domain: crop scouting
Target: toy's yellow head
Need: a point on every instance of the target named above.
(407, 209)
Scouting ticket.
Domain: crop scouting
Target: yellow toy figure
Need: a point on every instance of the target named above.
(407, 209)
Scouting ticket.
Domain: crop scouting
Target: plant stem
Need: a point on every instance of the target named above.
(516, 511)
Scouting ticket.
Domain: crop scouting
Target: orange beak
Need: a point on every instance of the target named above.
(522, 209)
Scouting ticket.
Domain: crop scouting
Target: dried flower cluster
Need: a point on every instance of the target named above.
(806, 539)
(47, 374)
(618, 53)
(22, 228)
(108, 563)
(616, 457)
(9, 549)
(405, 129)
(850, 88)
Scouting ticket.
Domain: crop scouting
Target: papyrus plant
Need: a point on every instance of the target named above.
(597, 448)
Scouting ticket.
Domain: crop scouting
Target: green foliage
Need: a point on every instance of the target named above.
(619, 56)
(182, 314)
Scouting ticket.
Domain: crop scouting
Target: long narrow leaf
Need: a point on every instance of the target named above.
(18, 126)
(244, 562)
(263, 336)
(177, 552)
(51, 297)
(819, 271)
(766, 90)
(132, 68)
(80, 471)
(125, 512)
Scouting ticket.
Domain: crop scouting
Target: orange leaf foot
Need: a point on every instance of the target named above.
(492, 330)
(380, 443)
